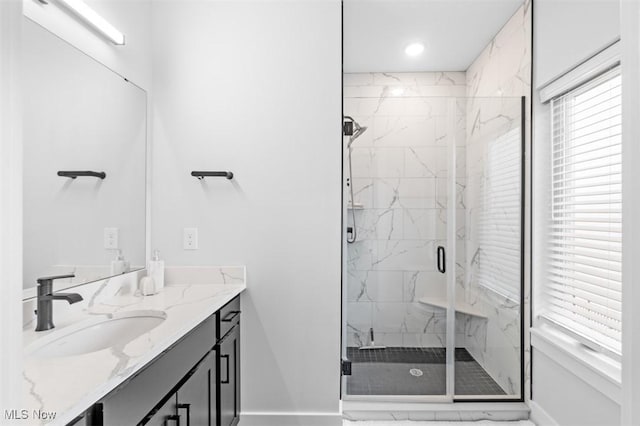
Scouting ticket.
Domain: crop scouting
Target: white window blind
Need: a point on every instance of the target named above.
(584, 285)
(499, 230)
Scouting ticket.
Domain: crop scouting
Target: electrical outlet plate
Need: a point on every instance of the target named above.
(110, 238)
(190, 239)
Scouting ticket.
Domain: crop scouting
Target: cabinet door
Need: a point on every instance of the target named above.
(228, 366)
(166, 415)
(194, 407)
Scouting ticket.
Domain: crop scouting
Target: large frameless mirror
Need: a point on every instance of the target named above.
(84, 130)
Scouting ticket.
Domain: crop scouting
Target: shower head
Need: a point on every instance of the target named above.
(353, 129)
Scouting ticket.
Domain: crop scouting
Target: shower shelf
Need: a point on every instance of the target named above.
(462, 307)
(356, 206)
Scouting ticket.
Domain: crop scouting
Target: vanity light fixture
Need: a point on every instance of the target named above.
(93, 19)
(414, 49)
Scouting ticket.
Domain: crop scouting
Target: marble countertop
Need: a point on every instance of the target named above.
(69, 385)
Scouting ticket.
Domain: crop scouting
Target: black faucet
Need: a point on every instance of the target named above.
(46, 296)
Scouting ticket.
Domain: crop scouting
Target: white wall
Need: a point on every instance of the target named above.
(567, 398)
(565, 34)
(255, 88)
(569, 31)
(10, 207)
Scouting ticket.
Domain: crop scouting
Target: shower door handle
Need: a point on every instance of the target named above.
(442, 260)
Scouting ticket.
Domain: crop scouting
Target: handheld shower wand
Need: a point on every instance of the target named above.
(354, 130)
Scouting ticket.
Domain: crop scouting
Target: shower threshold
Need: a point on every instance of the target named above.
(433, 411)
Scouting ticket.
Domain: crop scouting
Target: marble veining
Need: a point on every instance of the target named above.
(400, 175)
(69, 385)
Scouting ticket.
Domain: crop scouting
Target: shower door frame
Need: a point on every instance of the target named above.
(449, 395)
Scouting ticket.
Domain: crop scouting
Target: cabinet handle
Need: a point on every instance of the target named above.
(188, 408)
(230, 316)
(226, 357)
(172, 418)
(442, 260)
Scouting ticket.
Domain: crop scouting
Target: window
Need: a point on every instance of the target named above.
(499, 226)
(583, 286)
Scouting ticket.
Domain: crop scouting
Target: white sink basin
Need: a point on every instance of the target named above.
(96, 334)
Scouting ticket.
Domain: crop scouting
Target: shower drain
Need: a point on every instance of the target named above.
(416, 372)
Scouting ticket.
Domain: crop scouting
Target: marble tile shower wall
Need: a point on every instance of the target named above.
(503, 69)
(399, 182)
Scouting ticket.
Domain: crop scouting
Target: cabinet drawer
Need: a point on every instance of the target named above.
(133, 400)
(228, 316)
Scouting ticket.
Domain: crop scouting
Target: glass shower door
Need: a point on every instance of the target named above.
(490, 284)
(400, 250)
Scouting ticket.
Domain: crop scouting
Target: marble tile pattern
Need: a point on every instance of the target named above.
(436, 417)
(503, 69)
(47, 385)
(400, 175)
(391, 413)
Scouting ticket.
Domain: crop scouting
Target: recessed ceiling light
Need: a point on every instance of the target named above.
(414, 49)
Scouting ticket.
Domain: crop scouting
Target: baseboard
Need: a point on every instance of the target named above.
(539, 416)
(290, 419)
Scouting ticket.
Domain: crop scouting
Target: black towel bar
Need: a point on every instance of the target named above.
(202, 175)
(75, 174)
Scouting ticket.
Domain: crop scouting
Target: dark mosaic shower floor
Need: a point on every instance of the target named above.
(387, 372)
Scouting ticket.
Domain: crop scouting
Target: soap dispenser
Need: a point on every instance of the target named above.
(156, 270)
(118, 265)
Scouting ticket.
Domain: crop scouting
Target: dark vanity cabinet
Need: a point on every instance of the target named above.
(194, 398)
(193, 403)
(166, 414)
(196, 382)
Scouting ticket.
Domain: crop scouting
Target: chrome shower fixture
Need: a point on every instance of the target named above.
(352, 129)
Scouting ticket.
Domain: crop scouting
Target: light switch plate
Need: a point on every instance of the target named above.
(111, 238)
(190, 239)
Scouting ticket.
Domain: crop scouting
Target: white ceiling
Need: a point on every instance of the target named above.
(454, 32)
